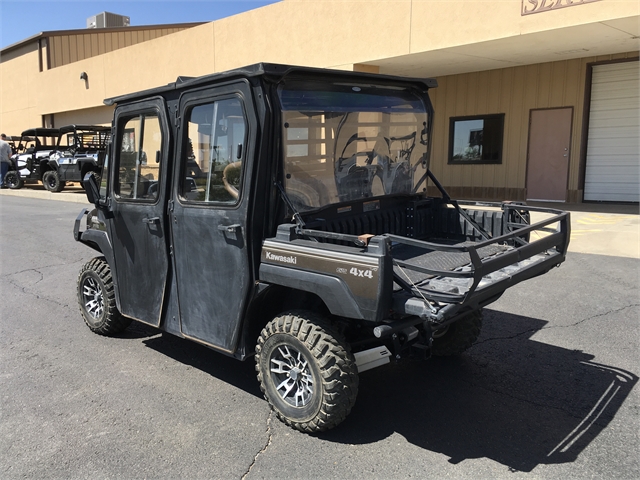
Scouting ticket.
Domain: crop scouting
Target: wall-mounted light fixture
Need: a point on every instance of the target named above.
(84, 76)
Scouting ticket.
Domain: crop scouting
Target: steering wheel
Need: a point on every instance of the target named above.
(233, 191)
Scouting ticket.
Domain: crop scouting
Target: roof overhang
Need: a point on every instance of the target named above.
(600, 38)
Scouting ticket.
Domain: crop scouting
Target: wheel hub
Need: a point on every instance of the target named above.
(93, 298)
(292, 376)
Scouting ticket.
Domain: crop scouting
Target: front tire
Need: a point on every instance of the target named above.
(13, 180)
(96, 297)
(306, 371)
(51, 181)
(458, 336)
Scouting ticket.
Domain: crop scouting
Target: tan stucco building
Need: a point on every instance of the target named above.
(537, 99)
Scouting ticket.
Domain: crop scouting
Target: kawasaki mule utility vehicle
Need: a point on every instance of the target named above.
(85, 153)
(30, 162)
(282, 212)
(58, 155)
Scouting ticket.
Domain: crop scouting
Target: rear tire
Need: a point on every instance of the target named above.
(306, 371)
(51, 181)
(457, 337)
(13, 180)
(96, 298)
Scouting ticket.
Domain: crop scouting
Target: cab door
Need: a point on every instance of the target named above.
(209, 235)
(138, 229)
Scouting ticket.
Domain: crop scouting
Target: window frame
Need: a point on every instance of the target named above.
(491, 116)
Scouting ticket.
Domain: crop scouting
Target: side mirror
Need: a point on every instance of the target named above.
(91, 188)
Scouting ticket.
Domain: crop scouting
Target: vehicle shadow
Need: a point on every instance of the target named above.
(138, 330)
(241, 375)
(509, 398)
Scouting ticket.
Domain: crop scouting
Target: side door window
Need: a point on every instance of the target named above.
(139, 146)
(212, 164)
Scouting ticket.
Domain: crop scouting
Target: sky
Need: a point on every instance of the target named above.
(21, 19)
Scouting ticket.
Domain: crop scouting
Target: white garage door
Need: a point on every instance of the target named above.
(613, 148)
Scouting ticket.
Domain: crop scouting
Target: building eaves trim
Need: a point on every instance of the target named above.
(81, 31)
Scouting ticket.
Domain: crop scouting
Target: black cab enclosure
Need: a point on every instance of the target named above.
(282, 212)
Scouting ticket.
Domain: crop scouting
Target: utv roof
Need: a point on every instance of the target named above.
(275, 72)
(41, 132)
(92, 128)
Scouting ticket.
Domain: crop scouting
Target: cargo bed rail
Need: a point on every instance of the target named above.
(491, 265)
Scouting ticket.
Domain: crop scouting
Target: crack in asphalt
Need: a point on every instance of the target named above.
(569, 413)
(37, 269)
(527, 400)
(596, 416)
(599, 273)
(24, 288)
(533, 330)
(263, 449)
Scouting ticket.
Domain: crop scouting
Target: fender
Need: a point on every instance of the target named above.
(332, 290)
(99, 241)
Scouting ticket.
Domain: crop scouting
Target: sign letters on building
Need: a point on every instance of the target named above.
(537, 6)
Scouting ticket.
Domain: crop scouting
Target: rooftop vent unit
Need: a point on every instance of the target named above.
(107, 20)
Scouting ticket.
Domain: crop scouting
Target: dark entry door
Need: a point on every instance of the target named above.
(138, 229)
(209, 218)
(549, 149)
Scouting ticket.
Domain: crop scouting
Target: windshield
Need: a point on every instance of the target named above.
(345, 142)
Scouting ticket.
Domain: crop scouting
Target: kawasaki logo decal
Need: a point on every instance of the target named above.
(281, 258)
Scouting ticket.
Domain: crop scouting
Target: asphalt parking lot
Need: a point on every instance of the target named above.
(549, 390)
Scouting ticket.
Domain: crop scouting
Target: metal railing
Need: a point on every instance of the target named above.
(477, 268)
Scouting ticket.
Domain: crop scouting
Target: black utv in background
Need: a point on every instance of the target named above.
(282, 212)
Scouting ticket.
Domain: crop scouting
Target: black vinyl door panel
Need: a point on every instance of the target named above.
(139, 246)
(213, 273)
(209, 219)
(138, 225)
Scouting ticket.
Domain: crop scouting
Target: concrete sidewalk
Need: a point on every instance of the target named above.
(596, 228)
(74, 193)
(601, 229)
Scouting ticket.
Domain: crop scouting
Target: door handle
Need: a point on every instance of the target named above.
(229, 228)
(151, 220)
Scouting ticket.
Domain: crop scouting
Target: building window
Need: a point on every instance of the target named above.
(476, 140)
